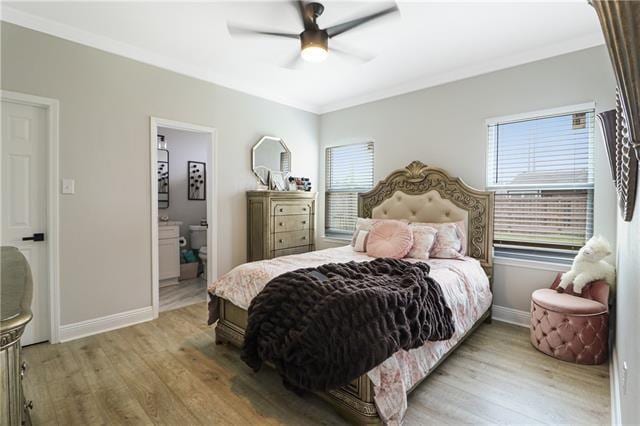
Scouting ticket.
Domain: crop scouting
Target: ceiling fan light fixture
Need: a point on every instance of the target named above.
(314, 54)
(315, 45)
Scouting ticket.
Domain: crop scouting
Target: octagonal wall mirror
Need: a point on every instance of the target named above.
(270, 154)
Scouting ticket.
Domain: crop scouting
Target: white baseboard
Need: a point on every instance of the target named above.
(510, 315)
(100, 325)
(614, 378)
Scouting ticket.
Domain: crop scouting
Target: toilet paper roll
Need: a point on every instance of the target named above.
(182, 241)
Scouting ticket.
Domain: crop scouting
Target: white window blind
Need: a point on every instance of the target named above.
(541, 169)
(349, 170)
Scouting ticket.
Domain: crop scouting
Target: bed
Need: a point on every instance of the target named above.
(418, 193)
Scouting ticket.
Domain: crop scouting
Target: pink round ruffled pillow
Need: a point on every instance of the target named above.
(389, 238)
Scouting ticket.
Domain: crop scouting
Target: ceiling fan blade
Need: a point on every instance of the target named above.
(235, 30)
(293, 62)
(307, 20)
(357, 54)
(338, 29)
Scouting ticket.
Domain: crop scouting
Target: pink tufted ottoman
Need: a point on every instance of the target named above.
(572, 327)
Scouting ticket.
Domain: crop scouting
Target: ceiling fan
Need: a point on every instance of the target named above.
(314, 41)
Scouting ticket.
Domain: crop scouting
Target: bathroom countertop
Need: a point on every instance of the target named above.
(169, 223)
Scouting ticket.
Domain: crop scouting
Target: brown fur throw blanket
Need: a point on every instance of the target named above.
(324, 327)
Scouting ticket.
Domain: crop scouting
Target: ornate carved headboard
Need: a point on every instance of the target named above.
(420, 193)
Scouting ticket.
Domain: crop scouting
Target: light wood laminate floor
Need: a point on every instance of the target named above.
(169, 371)
(184, 293)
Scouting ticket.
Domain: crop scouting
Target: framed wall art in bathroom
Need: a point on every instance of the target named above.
(197, 174)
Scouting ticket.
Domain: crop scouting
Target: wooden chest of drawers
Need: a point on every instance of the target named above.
(279, 223)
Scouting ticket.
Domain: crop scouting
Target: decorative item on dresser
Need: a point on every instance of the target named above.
(15, 313)
(620, 22)
(277, 181)
(279, 223)
(299, 183)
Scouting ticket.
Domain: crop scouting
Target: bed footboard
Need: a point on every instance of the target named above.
(354, 401)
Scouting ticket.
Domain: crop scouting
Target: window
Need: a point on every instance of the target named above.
(541, 168)
(349, 170)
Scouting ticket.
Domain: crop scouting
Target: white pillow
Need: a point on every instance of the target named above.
(361, 225)
(423, 239)
(360, 243)
(451, 242)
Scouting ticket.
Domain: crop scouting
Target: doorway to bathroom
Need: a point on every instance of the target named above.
(183, 214)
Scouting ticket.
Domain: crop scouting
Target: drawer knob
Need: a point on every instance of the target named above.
(304, 222)
(23, 368)
(281, 210)
(280, 241)
(304, 238)
(281, 223)
(304, 209)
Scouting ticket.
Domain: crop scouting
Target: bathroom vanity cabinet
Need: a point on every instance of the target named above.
(169, 254)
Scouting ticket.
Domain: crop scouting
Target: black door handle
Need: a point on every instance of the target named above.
(36, 237)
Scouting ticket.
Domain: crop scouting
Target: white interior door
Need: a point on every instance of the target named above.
(24, 195)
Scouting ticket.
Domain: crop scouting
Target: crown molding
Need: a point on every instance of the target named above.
(462, 73)
(106, 44)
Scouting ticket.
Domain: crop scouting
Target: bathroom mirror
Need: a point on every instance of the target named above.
(270, 154)
(163, 179)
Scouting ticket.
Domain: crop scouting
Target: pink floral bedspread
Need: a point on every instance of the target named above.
(464, 284)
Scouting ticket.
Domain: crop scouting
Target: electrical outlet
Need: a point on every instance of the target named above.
(625, 375)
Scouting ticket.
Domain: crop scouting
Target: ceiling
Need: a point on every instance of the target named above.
(426, 44)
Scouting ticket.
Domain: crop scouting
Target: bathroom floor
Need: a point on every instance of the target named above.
(185, 293)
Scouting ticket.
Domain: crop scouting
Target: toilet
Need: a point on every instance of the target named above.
(198, 234)
(202, 254)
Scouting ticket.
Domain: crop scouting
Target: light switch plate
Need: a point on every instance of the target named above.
(68, 186)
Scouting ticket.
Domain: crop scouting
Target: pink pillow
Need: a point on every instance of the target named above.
(389, 239)
(423, 239)
(363, 224)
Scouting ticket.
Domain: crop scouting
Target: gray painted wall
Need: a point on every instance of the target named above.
(627, 343)
(105, 105)
(445, 126)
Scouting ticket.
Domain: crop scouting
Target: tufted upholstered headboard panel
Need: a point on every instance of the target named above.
(429, 207)
(420, 193)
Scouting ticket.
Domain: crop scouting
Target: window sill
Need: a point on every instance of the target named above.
(546, 265)
(336, 239)
(534, 257)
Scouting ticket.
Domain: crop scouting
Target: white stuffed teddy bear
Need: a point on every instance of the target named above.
(588, 266)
